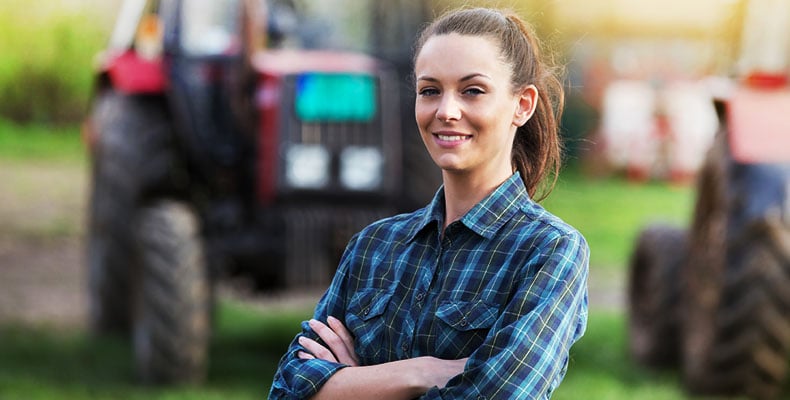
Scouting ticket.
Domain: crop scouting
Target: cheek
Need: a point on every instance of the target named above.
(423, 115)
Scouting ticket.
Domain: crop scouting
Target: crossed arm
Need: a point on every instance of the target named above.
(524, 355)
(403, 379)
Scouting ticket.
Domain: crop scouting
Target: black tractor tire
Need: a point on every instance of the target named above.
(736, 314)
(130, 155)
(654, 296)
(172, 317)
(751, 342)
(704, 270)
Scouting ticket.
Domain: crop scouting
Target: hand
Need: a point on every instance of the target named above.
(339, 343)
(437, 372)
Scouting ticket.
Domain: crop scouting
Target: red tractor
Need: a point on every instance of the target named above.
(213, 155)
(715, 299)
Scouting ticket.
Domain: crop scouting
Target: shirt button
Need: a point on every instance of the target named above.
(420, 296)
(366, 311)
(463, 322)
(404, 347)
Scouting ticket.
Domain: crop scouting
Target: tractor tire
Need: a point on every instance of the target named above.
(654, 296)
(172, 317)
(754, 344)
(704, 270)
(751, 345)
(130, 155)
(736, 303)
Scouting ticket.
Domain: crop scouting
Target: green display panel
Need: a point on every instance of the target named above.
(335, 97)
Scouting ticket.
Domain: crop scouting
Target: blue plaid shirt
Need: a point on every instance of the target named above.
(506, 286)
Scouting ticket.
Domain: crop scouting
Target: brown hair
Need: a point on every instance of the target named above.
(537, 145)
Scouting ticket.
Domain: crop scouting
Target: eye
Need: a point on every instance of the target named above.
(473, 91)
(429, 91)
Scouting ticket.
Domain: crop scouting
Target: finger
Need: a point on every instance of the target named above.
(345, 336)
(316, 349)
(332, 340)
(304, 355)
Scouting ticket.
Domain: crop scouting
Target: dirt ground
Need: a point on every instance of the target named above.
(42, 282)
(42, 260)
(43, 278)
(41, 228)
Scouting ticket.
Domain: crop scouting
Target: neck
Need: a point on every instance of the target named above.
(463, 190)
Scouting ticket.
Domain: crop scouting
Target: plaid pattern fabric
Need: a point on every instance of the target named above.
(505, 286)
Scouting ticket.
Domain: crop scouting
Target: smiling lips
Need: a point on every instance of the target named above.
(451, 137)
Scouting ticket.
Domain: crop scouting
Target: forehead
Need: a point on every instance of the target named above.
(451, 54)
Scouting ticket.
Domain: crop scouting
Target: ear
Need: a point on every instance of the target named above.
(527, 102)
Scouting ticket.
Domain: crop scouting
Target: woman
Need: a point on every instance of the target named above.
(481, 293)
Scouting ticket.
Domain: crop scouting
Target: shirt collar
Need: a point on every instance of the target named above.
(486, 217)
(434, 212)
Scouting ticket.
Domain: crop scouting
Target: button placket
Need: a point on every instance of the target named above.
(419, 297)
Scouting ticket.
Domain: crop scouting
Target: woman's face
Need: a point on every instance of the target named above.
(466, 109)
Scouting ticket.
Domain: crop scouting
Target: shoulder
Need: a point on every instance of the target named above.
(397, 228)
(540, 223)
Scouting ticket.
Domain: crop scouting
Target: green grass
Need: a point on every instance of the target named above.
(600, 368)
(38, 363)
(610, 212)
(40, 143)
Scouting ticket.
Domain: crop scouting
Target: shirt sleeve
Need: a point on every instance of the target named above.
(525, 354)
(301, 379)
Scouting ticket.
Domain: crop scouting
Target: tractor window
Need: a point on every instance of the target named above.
(210, 27)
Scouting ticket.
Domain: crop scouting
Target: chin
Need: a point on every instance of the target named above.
(448, 164)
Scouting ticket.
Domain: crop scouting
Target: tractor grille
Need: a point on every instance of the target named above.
(381, 131)
(334, 135)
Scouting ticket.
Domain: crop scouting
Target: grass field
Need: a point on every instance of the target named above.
(40, 143)
(42, 362)
(38, 363)
(610, 212)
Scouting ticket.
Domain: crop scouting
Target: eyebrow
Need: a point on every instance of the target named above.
(465, 78)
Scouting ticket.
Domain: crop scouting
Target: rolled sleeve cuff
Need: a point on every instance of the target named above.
(301, 379)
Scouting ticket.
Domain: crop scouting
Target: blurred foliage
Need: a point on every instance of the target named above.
(46, 62)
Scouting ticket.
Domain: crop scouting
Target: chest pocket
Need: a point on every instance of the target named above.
(364, 319)
(465, 325)
(467, 315)
(369, 303)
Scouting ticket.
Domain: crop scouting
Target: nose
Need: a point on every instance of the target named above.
(449, 109)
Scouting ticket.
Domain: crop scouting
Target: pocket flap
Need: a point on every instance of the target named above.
(466, 315)
(369, 303)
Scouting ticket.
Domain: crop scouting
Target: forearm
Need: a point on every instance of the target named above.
(403, 379)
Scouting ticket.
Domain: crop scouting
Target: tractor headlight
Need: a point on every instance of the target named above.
(307, 166)
(361, 168)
